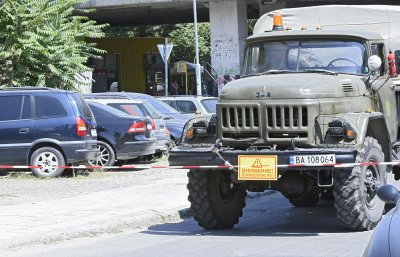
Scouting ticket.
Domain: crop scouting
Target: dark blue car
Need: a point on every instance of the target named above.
(45, 127)
(120, 136)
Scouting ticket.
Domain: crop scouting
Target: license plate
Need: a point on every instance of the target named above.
(93, 132)
(313, 160)
(257, 167)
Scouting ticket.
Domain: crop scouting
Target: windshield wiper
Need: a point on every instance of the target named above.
(320, 71)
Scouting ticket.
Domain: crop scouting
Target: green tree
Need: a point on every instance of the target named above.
(183, 40)
(42, 43)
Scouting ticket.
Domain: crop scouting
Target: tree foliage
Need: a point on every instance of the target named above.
(184, 42)
(42, 43)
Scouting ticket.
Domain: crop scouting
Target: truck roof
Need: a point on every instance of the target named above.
(365, 35)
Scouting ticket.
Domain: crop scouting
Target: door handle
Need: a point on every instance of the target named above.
(24, 130)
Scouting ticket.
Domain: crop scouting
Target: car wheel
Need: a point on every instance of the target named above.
(51, 160)
(106, 155)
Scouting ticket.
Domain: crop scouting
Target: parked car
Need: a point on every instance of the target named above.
(45, 127)
(191, 105)
(174, 120)
(143, 109)
(386, 237)
(120, 136)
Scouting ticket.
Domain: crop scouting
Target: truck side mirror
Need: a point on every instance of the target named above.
(374, 64)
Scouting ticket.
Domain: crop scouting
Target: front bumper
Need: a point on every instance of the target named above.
(185, 156)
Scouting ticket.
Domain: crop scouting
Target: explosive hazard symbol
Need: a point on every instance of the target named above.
(257, 167)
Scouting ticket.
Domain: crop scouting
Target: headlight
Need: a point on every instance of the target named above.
(339, 130)
(200, 130)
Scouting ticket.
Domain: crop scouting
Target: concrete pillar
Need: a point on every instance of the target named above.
(228, 22)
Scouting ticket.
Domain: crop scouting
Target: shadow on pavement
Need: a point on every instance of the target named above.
(275, 218)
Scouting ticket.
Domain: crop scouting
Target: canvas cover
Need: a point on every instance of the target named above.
(382, 19)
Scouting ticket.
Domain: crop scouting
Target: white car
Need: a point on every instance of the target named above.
(191, 105)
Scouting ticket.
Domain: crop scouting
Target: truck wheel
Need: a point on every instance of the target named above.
(357, 204)
(216, 203)
(50, 159)
(309, 199)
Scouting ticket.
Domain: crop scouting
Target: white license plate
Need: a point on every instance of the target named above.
(313, 160)
(93, 132)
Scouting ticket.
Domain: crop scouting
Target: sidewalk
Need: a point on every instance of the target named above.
(142, 204)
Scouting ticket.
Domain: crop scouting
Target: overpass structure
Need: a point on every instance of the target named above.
(227, 19)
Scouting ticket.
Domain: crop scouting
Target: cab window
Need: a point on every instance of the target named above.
(377, 49)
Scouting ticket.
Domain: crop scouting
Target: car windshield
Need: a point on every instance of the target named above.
(210, 105)
(153, 113)
(163, 107)
(109, 109)
(339, 56)
(129, 108)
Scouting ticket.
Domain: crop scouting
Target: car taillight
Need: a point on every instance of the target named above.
(137, 127)
(153, 125)
(81, 129)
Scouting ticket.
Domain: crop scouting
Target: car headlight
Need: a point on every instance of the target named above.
(339, 130)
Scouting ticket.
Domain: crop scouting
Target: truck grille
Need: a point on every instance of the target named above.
(240, 117)
(281, 123)
(240, 122)
(287, 117)
(287, 121)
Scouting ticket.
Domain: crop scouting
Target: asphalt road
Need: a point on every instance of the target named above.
(270, 226)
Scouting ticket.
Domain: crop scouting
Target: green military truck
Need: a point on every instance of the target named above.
(314, 115)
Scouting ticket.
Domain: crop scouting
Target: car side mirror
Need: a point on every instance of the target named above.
(198, 112)
(374, 64)
(389, 194)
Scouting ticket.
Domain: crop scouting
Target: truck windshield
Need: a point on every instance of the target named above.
(304, 56)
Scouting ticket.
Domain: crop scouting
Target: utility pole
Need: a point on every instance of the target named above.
(166, 66)
(196, 39)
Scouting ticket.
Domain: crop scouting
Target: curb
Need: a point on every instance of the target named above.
(123, 226)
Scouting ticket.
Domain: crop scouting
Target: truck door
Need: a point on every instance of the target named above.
(386, 94)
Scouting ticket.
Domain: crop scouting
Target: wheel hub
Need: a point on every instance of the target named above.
(371, 185)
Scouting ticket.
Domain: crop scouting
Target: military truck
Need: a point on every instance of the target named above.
(314, 115)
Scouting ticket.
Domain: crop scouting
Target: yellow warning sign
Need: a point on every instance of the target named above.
(257, 167)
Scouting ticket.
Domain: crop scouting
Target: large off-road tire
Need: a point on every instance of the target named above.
(310, 198)
(357, 205)
(106, 155)
(51, 161)
(216, 203)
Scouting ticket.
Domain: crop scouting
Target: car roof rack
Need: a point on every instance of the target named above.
(27, 88)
